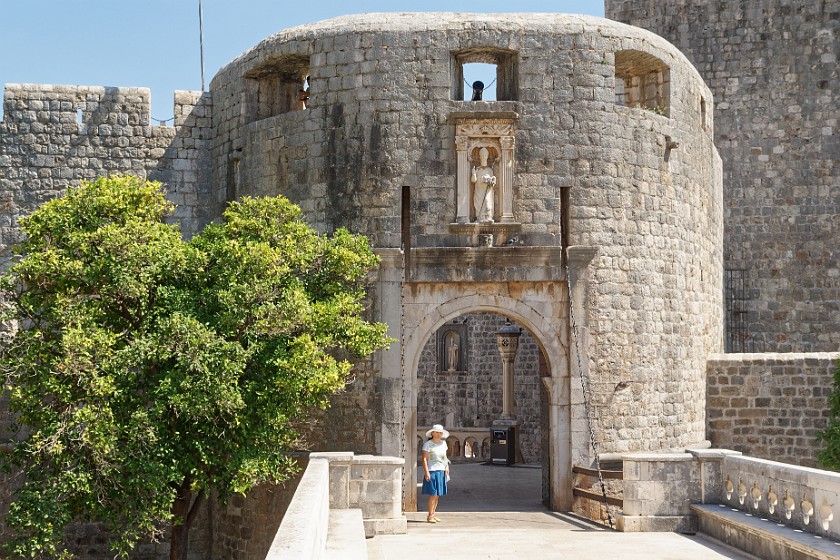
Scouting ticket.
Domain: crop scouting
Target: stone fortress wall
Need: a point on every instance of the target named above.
(770, 405)
(51, 137)
(605, 139)
(772, 66)
(640, 182)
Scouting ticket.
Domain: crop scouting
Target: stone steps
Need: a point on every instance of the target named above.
(763, 538)
(346, 536)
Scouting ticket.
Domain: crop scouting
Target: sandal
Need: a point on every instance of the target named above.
(432, 520)
(436, 519)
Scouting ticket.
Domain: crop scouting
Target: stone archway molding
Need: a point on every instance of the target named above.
(519, 311)
(542, 308)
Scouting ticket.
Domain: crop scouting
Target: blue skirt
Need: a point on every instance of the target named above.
(436, 486)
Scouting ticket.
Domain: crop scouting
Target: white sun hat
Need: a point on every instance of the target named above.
(437, 428)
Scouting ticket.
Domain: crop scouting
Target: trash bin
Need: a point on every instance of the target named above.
(503, 446)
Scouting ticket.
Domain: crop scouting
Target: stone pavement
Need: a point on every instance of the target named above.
(494, 513)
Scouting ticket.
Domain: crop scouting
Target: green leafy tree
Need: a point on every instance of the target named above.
(149, 371)
(829, 455)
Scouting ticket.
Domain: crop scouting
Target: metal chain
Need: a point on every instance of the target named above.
(403, 381)
(584, 386)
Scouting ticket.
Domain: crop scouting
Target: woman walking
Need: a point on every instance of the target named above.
(435, 468)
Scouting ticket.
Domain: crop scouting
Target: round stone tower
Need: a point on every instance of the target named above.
(593, 172)
(772, 66)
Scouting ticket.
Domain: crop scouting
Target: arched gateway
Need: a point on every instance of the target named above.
(534, 295)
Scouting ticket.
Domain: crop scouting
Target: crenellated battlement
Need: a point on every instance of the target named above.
(53, 136)
(89, 105)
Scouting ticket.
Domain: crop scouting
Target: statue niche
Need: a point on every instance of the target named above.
(452, 348)
(483, 180)
(485, 149)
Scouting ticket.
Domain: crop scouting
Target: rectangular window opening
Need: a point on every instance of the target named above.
(642, 81)
(278, 87)
(495, 70)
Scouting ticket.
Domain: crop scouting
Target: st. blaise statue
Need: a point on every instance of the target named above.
(484, 180)
(452, 353)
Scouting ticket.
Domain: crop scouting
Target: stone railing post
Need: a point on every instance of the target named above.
(340, 463)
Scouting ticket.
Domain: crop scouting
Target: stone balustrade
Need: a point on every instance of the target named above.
(800, 497)
(465, 444)
(660, 489)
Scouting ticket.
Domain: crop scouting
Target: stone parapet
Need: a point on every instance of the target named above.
(303, 531)
(340, 481)
(54, 136)
(660, 490)
(370, 483)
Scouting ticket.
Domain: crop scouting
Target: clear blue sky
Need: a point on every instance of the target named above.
(154, 43)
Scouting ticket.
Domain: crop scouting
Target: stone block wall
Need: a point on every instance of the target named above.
(473, 398)
(641, 185)
(352, 420)
(52, 137)
(772, 66)
(244, 528)
(770, 406)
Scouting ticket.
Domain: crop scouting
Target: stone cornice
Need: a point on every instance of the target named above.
(487, 264)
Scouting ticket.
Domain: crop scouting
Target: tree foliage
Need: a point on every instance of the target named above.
(829, 455)
(149, 371)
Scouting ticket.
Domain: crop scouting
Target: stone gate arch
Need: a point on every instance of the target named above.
(541, 308)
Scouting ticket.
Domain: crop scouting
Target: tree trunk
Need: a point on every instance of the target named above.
(184, 511)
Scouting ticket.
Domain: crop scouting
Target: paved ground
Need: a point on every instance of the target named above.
(495, 513)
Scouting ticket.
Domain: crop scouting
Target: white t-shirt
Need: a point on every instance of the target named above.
(437, 455)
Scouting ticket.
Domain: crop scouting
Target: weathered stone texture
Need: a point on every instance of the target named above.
(473, 398)
(770, 406)
(244, 528)
(352, 420)
(381, 117)
(642, 185)
(51, 137)
(772, 66)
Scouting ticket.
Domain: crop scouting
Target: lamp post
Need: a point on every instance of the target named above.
(507, 341)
